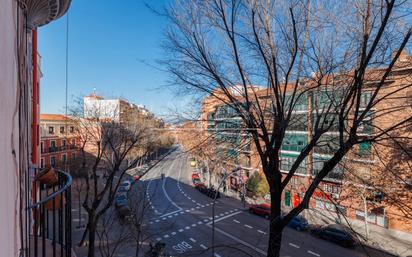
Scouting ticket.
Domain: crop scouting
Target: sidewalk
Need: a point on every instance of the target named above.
(395, 242)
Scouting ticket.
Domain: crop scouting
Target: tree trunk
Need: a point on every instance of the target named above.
(275, 226)
(92, 238)
(275, 239)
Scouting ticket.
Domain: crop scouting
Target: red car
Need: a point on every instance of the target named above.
(260, 209)
(201, 187)
(195, 175)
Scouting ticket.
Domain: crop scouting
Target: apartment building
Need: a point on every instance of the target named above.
(115, 109)
(22, 214)
(59, 140)
(341, 193)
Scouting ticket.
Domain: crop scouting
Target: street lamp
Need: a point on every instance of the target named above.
(213, 206)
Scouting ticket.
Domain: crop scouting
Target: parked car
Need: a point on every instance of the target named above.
(260, 209)
(125, 213)
(126, 185)
(121, 200)
(213, 193)
(195, 175)
(122, 189)
(299, 223)
(196, 181)
(136, 177)
(335, 233)
(201, 187)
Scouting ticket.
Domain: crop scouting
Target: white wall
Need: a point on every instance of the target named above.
(9, 132)
(101, 108)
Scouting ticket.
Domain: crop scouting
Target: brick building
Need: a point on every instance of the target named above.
(340, 192)
(59, 140)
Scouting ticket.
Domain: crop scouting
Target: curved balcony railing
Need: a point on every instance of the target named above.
(49, 218)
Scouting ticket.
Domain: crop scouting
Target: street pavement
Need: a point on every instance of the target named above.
(181, 217)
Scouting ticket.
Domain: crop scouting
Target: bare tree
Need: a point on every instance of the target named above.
(105, 146)
(264, 59)
(111, 234)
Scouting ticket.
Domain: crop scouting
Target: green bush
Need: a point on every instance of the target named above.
(253, 182)
(262, 187)
(257, 184)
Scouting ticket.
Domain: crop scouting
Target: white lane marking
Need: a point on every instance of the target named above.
(170, 213)
(217, 255)
(226, 213)
(296, 246)
(173, 233)
(313, 253)
(169, 216)
(204, 247)
(239, 240)
(156, 220)
(246, 225)
(180, 230)
(191, 239)
(222, 218)
(205, 220)
(166, 236)
(158, 239)
(262, 232)
(163, 218)
(175, 214)
(193, 225)
(199, 222)
(187, 227)
(165, 193)
(189, 198)
(236, 221)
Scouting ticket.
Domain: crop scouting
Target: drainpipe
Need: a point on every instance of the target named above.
(35, 102)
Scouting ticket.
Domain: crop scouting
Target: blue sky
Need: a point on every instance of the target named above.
(109, 43)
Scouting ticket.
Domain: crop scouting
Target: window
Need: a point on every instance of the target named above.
(64, 142)
(287, 161)
(51, 130)
(41, 147)
(73, 141)
(53, 144)
(320, 204)
(294, 142)
(53, 161)
(63, 159)
(71, 129)
(365, 149)
(61, 129)
(41, 163)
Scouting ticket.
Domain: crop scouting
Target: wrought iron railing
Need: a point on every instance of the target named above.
(49, 218)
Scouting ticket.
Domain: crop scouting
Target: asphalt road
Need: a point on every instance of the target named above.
(181, 217)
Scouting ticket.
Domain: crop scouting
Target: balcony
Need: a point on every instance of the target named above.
(48, 220)
(53, 149)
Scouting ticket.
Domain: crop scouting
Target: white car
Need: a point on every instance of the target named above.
(126, 185)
